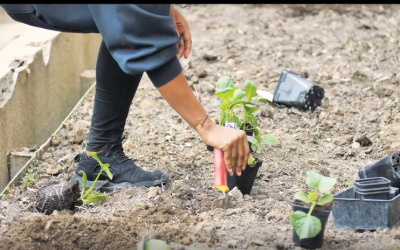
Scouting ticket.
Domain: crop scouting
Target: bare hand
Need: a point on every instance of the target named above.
(182, 28)
(232, 142)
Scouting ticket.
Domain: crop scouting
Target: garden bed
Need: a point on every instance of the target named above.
(352, 52)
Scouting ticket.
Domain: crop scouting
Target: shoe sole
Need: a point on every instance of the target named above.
(110, 186)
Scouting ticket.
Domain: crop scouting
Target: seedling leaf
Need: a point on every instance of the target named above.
(251, 139)
(326, 184)
(313, 179)
(302, 197)
(306, 226)
(237, 95)
(325, 199)
(251, 161)
(269, 139)
(251, 89)
(312, 196)
(224, 84)
(253, 120)
(233, 104)
(261, 99)
(250, 108)
(254, 147)
(235, 119)
(95, 198)
(84, 180)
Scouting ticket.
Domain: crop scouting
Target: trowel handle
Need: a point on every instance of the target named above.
(220, 176)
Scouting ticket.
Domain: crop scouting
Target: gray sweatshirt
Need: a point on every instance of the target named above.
(140, 37)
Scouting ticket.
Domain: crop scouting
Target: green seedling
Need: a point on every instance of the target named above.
(306, 225)
(6, 194)
(349, 182)
(29, 179)
(232, 99)
(94, 197)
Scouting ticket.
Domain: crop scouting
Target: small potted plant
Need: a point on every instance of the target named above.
(232, 101)
(311, 211)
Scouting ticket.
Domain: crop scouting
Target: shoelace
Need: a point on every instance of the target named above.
(121, 156)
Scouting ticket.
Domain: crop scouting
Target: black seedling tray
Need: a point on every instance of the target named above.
(351, 212)
(294, 90)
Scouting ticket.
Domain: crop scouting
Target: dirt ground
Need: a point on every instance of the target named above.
(351, 51)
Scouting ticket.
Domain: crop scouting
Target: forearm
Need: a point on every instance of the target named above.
(180, 97)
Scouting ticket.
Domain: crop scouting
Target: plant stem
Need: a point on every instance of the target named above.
(312, 208)
(91, 188)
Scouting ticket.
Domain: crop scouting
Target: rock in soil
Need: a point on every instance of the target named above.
(258, 242)
(54, 170)
(57, 197)
(364, 141)
(55, 140)
(153, 192)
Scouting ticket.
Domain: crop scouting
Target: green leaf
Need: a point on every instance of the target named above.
(306, 226)
(302, 197)
(312, 196)
(237, 95)
(104, 166)
(313, 179)
(326, 184)
(224, 84)
(325, 199)
(251, 89)
(252, 120)
(323, 183)
(235, 119)
(95, 198)
(269, 139)
(251, 161)
(233, 104)
(155, 244)
(259, 148)
(254, 147)
(250, 108)
(217, 103)
(84, 180)
(252, 140)
(261, 99)
(223, 96)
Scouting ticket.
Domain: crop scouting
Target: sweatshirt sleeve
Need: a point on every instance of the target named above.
(141, 38)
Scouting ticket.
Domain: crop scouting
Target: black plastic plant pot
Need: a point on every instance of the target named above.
(388, 167)
(322, 213)
(372, 188)
(245, 182)
(293, 90)
(351, 212)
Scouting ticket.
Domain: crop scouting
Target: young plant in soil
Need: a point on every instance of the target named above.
(232, 99)
(89, 196)
(306, 225)
(29, 179)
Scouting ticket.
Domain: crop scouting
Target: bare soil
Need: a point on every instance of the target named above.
(351, 51)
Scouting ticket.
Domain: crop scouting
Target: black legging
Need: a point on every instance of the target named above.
(114, 93)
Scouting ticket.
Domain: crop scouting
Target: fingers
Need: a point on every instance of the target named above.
(187, 38)
(245, 144)
(240, 159)
(235, 147)
(228, 158)
(181, 48)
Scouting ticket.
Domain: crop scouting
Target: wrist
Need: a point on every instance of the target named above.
(206, 128)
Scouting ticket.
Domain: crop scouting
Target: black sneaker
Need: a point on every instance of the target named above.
(125, 172)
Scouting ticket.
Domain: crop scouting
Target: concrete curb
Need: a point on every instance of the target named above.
(37, 155)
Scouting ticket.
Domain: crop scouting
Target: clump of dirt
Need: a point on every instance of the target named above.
(351, 51)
